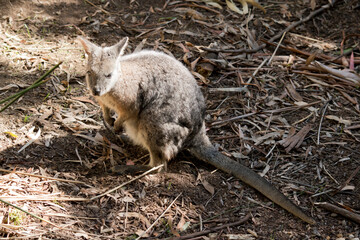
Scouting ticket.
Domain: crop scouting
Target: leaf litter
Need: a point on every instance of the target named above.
(264, 115)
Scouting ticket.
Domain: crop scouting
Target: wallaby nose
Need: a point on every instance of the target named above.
(96, 91)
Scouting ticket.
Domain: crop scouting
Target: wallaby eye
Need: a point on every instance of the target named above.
(108, 75)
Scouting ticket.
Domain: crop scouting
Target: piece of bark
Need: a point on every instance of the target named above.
(295, 140)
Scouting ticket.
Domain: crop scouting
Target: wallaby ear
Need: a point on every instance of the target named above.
(89, 47)
(121, 46)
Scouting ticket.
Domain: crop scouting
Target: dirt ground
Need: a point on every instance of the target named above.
(298, 123)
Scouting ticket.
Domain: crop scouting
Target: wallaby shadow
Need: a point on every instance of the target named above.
(60, 157)
(83, 159)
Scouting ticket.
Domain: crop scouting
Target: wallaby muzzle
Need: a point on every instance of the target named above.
(96, 91)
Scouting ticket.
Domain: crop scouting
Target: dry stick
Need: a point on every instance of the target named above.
(100, 8)
(277, 36)
(195, 5)
(232, 119)
(44, 197)
(289, 108)
(40, 176)
(132, 180)
(321, 120)
(31, 214)
(152, 225)
(256, 71)
(215, 216)
(276, 49)
(319, 56)
(353, 216)
(264, 111)
(197, 234)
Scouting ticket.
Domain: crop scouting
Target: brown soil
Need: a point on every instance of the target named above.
(37, 34)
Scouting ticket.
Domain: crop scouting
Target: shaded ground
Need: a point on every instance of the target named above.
(36, 35)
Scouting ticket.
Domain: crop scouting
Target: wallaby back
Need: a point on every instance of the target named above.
(161, 107)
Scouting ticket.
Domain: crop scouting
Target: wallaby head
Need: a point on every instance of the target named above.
(102, 69)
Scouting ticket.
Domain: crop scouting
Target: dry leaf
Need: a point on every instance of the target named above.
(181, 223)
(195, 14)
(233, 7)
(140, 46)
(213, 3)
(338, 119)
(345, 74)
(284, 10)
(208, 186)
(310, 59)
(256, 4)
(240, 236)
(244, 6)
(142, 218)
(351, 62)
(313, 4)
(261, 139)
(348, 188)
(7, 87)
(293, 93)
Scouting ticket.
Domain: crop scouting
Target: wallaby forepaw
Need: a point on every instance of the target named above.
(109, 126)
(118, 128)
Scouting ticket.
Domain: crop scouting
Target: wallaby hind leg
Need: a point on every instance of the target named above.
(157, 158)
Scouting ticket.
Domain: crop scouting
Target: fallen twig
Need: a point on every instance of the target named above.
(196, 6)
(216, 229)
(100, 8)
(50, 197)
(346, 213)
(40, 176)
(319, 56)
(276, 49)
(122, 185)
(31, 214)
(232, 119)
(290, 108)
(321, 120)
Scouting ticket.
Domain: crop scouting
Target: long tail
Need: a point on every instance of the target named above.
(210, 155)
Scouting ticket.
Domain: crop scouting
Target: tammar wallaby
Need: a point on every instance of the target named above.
(161, 107)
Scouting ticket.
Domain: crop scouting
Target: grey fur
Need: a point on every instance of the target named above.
(161, 107)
